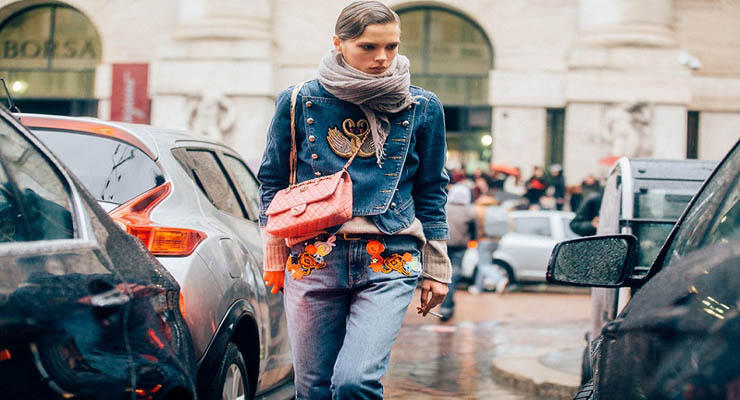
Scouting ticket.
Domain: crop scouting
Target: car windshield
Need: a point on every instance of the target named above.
(113, 171)
(715, 215)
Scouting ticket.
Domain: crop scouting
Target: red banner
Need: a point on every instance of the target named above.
(129, 99)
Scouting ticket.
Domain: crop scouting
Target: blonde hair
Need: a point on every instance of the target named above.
(354, 18)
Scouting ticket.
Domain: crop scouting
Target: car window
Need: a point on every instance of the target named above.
(212, 179)
(713, 215)
(112, 171)
(726, 224)
(667, 202)
(532, 225)
(650, 236)
(34, 204)
(246, 183)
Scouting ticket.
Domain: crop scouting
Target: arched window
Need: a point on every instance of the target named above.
(451, 56)
(48, 55)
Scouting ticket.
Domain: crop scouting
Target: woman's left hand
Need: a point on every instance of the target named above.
(437, 291)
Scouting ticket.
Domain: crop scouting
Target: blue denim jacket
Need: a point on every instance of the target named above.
(410, 183)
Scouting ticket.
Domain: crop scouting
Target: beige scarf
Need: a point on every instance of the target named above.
(376, 95)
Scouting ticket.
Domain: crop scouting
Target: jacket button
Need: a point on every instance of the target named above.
(405, 123)
(312, 138)
(314, 156)
(393, 205)
(317, 173)
(309, 104)
(310, 121)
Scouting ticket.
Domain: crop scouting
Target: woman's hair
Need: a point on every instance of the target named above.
(354, 18)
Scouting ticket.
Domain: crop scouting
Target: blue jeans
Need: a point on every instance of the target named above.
(344, 310)
(485, 264)
(456, 255)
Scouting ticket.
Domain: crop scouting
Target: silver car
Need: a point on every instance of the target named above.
(194, 204)
(524, 251)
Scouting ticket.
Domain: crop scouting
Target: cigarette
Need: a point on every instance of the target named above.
(436, 314)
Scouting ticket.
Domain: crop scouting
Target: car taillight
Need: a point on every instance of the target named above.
(181, 303)
(160, 240)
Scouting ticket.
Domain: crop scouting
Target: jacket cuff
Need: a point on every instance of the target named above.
(436, 231)
(275, 251)
(435, 262)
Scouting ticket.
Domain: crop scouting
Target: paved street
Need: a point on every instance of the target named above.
(441, 360)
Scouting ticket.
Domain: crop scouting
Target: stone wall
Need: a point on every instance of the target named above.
(587, 56)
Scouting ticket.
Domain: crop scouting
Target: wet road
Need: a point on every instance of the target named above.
(441, 360)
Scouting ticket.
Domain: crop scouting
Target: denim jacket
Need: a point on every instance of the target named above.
(410, 183)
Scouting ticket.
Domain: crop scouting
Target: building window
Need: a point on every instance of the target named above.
(451, 56)
(692, 135)
(555, 136)
(48, 55)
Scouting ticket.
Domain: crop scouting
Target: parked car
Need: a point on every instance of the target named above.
(85, 310)
(194, 203)
(642, 197)
(524, 251)
(677, 338)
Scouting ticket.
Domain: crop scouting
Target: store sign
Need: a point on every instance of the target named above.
(129, 98)
(71, 48)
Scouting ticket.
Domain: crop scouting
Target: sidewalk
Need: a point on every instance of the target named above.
(545, 362)
(526, 344)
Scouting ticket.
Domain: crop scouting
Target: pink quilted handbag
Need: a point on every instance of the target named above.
(313, 205)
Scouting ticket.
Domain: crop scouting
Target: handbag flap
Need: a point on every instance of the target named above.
(306, 192)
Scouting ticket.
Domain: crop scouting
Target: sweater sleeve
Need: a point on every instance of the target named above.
(276, 253)
(435, 261)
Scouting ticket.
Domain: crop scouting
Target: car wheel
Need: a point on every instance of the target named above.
(586, 392)
(231, 381)
(505, 268)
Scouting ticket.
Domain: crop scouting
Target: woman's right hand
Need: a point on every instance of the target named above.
(276, 279)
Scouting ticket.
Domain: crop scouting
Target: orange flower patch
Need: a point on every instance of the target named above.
(374, 247)
(302, 264)
(396, 263)
(384, 261)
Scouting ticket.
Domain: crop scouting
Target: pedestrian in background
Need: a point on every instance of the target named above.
(536, 186)
(557, 181)
(348, 287)
(492, 224)
(463, 229)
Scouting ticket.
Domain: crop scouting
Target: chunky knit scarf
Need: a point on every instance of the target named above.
(376, 95)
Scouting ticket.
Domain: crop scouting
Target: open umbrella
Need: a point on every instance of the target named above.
(609, 160)
(505, 168)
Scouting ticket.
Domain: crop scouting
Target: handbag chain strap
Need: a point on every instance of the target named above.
(293, 148)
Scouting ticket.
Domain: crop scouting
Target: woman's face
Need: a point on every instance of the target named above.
(374, 50)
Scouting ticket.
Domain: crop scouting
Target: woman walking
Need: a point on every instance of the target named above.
(347, 288)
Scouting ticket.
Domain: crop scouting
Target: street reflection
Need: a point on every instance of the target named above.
(446, 361)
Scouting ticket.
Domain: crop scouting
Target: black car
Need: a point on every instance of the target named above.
(679, 335)
(85, 311)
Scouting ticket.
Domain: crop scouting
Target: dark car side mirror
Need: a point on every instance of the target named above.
(605, 261)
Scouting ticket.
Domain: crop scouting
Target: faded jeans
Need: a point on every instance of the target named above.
(344, 317)
(486, 270)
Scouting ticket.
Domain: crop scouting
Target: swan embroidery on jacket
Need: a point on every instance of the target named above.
(310, 259)
(345, 143)
(382, 260)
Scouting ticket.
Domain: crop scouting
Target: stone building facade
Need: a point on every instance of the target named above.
(525, 82)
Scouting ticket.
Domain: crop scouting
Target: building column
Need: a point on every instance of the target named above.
(215, 77)
(626, 90)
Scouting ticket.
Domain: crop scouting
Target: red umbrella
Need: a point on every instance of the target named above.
(505, 168)
(609, 160)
